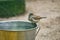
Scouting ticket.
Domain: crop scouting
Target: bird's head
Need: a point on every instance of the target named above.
(31, 14)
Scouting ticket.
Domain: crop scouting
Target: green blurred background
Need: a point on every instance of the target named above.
(10, 8)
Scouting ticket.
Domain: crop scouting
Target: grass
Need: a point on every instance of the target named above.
(11, 8)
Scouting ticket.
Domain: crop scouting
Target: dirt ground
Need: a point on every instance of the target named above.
(49, 27)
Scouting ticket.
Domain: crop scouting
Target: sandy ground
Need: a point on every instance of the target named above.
(49, 27)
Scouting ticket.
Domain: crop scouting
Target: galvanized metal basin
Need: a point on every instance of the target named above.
(17, 30)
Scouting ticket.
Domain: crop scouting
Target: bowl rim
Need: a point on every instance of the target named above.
(15, 21)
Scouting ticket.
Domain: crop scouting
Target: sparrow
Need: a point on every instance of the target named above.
(34, 18)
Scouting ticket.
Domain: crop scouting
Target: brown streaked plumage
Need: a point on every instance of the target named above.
(34, 18)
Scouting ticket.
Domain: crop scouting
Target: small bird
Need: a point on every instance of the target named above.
(34, 18)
